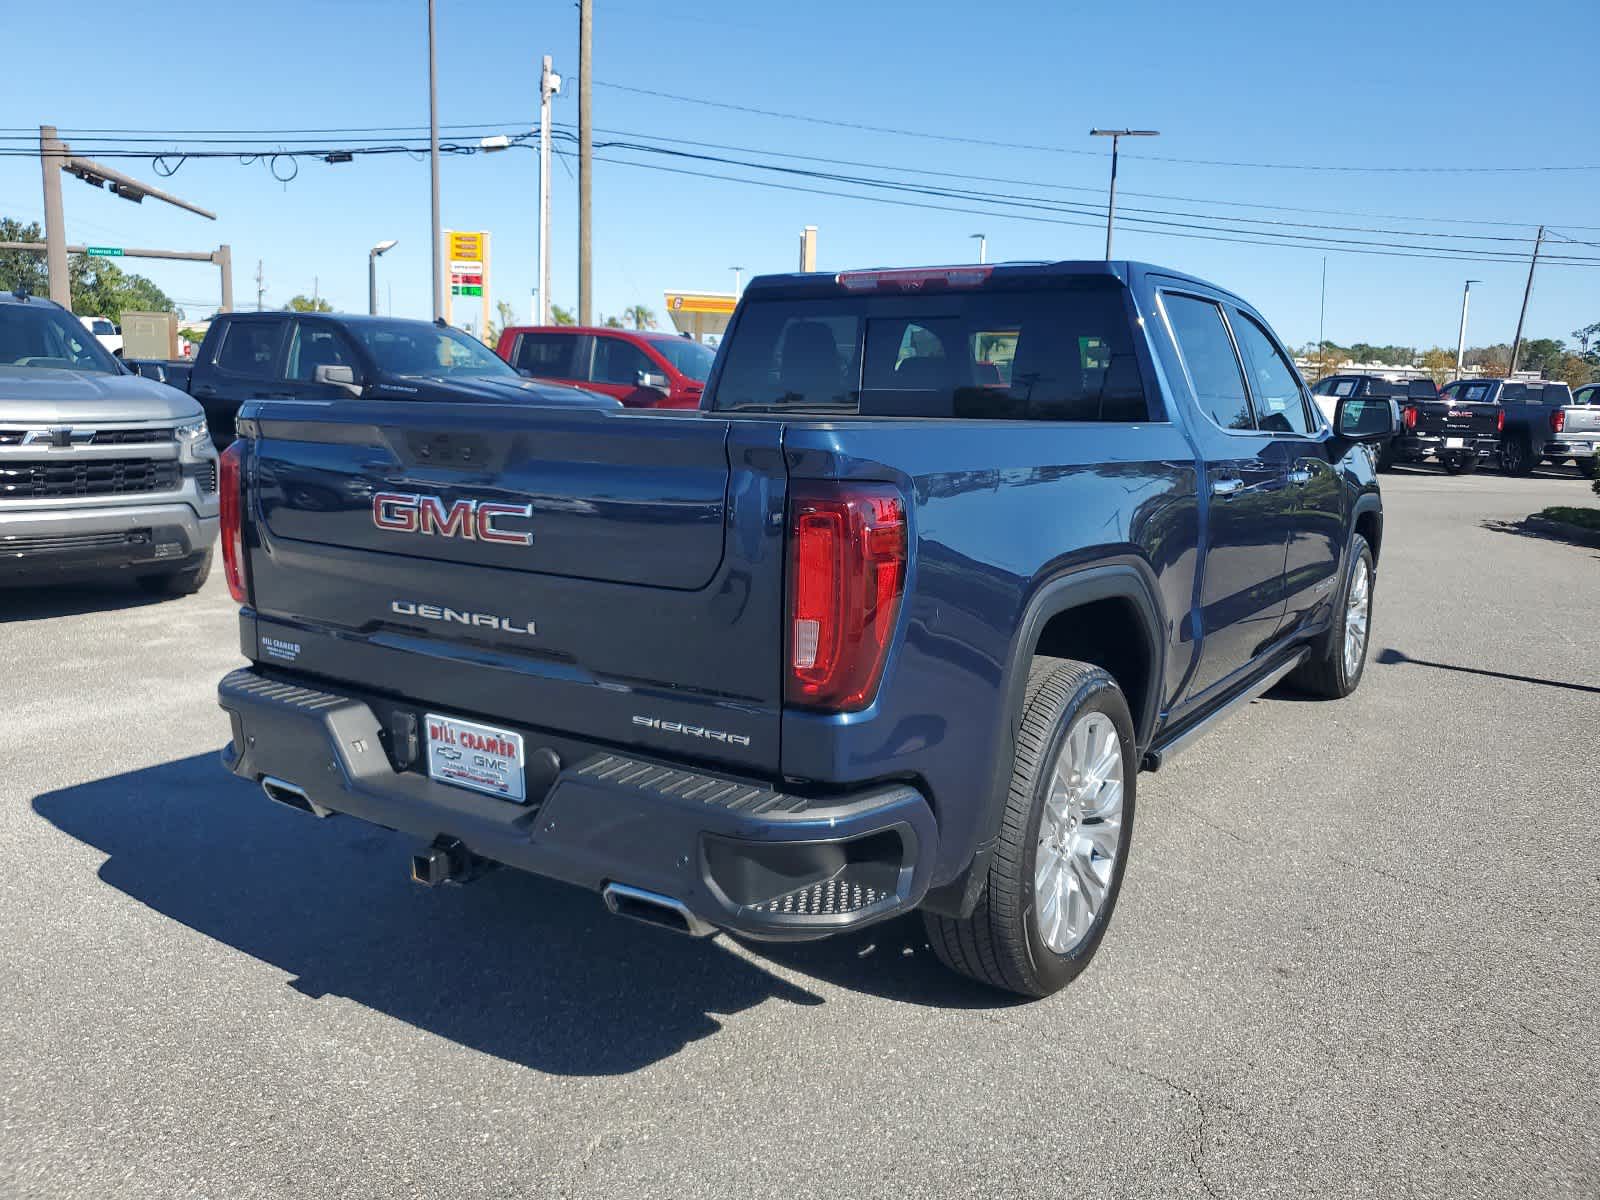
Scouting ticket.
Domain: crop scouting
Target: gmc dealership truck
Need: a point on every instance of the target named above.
(946, 558)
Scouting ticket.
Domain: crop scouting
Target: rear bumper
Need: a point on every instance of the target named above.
(48, 544)
(1417, 446)
(736, 854)
(1576, 446)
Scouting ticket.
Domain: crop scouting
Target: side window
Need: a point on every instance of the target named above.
(316, 345)
(1213, 366)
(546, 355)
(1279, 406)
(250, 348)
(620, 362)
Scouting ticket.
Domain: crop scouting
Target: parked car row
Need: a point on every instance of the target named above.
(1518, 423)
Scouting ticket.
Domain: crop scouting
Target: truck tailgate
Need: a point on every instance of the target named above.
(1582, 418)
(1438, 418)
(601, 574)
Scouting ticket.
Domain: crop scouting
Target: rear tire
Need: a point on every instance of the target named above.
(1516, 457)
(1385, 458)
(184, 582)
(1336, 665)
(1057, 869)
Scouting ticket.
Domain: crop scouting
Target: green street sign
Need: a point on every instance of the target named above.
(103, 251)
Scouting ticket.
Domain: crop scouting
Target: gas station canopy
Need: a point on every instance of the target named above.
(700, 314)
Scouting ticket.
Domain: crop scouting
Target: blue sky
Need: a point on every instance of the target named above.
(1400, 84)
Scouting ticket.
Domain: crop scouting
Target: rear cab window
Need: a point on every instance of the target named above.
(547, 355)
(1063, 353)
(249, 349)
(1208, 354)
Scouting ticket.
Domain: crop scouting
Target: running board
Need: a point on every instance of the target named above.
(1157, 754)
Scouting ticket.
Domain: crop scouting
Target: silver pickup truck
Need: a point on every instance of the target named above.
(101, 472)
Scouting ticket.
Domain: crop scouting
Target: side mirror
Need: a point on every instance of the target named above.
(1364, 419)
(339, 376)
(653, 379)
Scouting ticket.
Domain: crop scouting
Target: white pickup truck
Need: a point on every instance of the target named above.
(106, 332)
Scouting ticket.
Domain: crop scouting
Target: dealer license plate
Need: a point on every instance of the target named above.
(475, 756)
(1454, 443)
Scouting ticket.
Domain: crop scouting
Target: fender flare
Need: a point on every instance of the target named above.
(1123, 578)
(1367, 502)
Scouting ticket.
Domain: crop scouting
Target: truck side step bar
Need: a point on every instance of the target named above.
(1157, 754)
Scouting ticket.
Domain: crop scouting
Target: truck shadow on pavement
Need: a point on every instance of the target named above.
(40, 604)
(522, 968)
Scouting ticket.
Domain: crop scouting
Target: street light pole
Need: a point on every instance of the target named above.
(983, 247)
(1461, 339)
(549, 85)
(372, 273)
(1116, 136)
(433, 165)
(738, 274)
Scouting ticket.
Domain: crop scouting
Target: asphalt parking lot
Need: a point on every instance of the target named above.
(1356, 953)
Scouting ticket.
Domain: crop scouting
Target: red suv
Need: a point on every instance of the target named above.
(643, 370)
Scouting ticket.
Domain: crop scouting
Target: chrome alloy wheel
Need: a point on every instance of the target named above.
(1079, 832)
(1358, 611)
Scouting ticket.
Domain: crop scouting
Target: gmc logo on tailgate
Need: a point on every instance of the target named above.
(471, 520)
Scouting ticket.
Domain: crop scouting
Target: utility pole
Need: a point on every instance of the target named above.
(1322, 318)
(224, 260)
(1516, 344)
(1116, 136)
(1461, 338)
(261, 287)
(585, 158)
(549, 85)
(53, 160)
(433, 165)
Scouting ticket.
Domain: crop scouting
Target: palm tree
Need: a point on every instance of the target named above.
(641, 316)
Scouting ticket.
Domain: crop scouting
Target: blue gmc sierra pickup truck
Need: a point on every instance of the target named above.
(945, 559)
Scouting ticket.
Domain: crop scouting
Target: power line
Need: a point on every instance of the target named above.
(946, 137)
(1408, 252)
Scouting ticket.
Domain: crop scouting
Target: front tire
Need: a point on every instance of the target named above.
(184, 582)
(1339, 657)
(1057, 869)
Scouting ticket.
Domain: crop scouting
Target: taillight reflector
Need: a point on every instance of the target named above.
(847, 572)
(913, 279)
(230, 497)
(1409, 416)
(1499, 420)
(1558, 420)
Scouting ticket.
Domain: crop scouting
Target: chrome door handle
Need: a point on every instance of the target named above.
(1300, 476)
(1225, 488)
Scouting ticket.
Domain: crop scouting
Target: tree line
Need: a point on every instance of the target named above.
(100, 288)
(1554, 358)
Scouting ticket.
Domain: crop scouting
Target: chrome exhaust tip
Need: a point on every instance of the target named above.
(292, 796)
(654, 909)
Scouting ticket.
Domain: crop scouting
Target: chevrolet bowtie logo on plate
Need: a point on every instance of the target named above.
(429, 516)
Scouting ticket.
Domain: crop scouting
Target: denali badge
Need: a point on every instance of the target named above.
(714, 735)
(472, 520)
(435, 612)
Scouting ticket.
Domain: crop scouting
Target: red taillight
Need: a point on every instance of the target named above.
(230, 496)
(847, 573)
(1408, 416)
(1558, 420)
(1499, 420)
